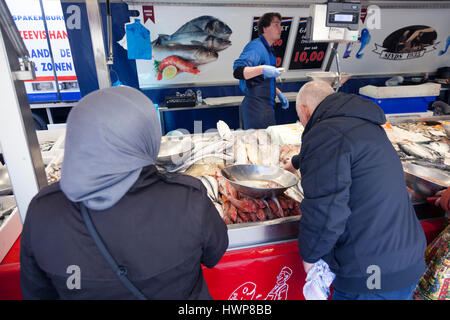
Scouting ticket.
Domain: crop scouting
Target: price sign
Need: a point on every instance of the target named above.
(306, 55)
(279, 46)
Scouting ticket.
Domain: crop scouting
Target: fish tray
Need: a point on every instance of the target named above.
(426, 181)
(239, 176)
(249, 234)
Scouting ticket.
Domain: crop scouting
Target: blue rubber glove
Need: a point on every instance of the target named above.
(270, 72)
(284, 101)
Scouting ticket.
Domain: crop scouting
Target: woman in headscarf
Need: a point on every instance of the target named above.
(157, 228)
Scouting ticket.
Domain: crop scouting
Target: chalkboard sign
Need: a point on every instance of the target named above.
(307, 55)
(279, 46)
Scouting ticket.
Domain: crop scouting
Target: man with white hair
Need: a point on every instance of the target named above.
(356, 214)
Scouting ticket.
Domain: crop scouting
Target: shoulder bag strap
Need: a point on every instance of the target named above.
(120, 271)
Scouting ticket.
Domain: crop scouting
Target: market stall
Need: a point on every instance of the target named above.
(262, 261)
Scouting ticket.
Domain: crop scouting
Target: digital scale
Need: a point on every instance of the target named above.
(335, 21)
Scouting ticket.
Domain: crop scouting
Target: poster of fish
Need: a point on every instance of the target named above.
(197, 42)
(418, 42)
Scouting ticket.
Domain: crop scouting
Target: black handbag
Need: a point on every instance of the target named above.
(119, 271)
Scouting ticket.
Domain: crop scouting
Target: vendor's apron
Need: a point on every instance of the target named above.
(257, 110)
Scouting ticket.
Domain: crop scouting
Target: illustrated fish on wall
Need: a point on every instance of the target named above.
(364, 39)
(447, 44)
(195, 43)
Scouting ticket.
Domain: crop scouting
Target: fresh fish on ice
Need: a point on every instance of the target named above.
(219, 209)
(416, 150)
(224, 130)
(240, 153)
(440, 147)
(251, 146)
(209, 188)
(252, 153)
(214, 185)
(295, 193)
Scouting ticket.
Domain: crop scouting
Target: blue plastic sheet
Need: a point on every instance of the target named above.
(138, 41)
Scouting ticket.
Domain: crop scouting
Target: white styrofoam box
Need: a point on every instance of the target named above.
(9, 232)
(286, 133)
(421, 90)
(57, 126)
(57, 137)
(409, 115)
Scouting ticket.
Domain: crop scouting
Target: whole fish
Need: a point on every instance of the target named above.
(440, 147)
(208, 187)
(220, 210)
(416, 150)
(240, 152)
(365, 39)
(214, 185)
(206, 24)
(196, 54)
(198, 38)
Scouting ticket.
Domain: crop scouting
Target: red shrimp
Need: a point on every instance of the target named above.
(181, 64)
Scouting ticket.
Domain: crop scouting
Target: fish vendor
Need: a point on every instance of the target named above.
(357, 216)
(110, 228)
(256, 71)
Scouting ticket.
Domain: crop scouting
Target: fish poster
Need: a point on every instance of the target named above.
(197, 44)
(191, 48)
(408, 42)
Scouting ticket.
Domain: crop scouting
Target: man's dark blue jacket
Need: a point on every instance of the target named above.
(357, 215)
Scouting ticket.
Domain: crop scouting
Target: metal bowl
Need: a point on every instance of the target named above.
(174, 150)
(5, 183)
(426, 181)
(329, 77)
(240, 175)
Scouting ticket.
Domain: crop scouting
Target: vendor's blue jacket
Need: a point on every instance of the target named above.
(357, 215)
(259, 101)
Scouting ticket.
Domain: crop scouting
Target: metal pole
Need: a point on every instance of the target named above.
(20, 146)
(331, 57)
(98, 45)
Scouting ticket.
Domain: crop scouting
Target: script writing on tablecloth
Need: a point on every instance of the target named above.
(247, 290)
(306, 55)
(279, 46)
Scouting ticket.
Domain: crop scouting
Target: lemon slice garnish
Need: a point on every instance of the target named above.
(169, 72)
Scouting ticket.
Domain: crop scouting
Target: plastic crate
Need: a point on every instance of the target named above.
(403, 105)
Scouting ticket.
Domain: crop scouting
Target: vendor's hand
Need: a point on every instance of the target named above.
(270, 71)
(284, 101)
(307, 266)
(444, 200)
(289, 167)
